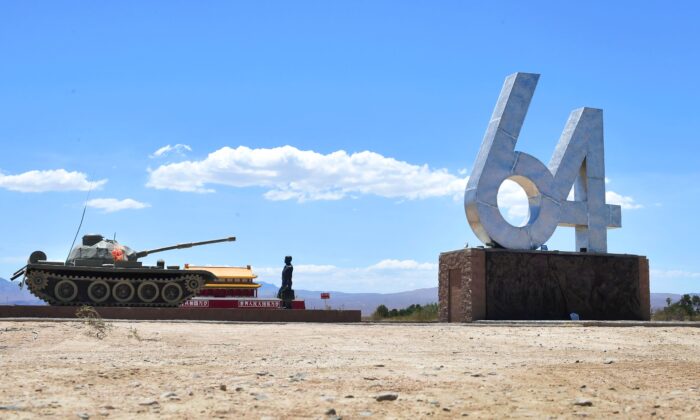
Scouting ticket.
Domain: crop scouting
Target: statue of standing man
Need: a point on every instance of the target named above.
(286, 293)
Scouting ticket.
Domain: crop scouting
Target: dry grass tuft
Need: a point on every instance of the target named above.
(97, 327)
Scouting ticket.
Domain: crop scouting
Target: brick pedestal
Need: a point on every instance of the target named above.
(500, 284)
(188, 314)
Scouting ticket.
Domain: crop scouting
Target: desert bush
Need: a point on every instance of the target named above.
(414, 313)
(686, 309)
(134, 333)
(96, 326)
(381, 312)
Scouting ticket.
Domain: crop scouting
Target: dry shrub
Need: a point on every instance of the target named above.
(97, 326)
(134, 333)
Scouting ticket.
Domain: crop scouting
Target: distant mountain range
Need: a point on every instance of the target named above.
(366, 302)
(11, 294)
(658, 300)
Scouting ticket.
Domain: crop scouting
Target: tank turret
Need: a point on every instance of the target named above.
(97, 251)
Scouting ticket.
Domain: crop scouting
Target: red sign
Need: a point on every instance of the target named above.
(325, 295)
(204, 302)
(195, 303)
(259, 303)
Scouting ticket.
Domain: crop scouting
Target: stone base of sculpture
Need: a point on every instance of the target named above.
(503, 284)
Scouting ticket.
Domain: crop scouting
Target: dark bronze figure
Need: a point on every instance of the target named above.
(286, 293)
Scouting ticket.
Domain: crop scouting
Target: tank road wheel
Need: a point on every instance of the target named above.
(172, 292)
(98, 291)
(66, 290)
(194, 283)
(37, 280)
(123, 291)
(147, 291)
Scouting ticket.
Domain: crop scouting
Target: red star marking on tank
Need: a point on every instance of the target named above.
(118, 254)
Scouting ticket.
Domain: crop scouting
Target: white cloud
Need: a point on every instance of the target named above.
(314, 269)
(292, 174)
(385, 276)
(624, 201)
(402, 265)
(178, 149)
(513, 200)
(49, 180)
(110, 205)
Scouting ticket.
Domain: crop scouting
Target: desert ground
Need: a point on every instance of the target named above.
(249, 370)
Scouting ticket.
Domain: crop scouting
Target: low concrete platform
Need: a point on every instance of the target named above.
(190, 314)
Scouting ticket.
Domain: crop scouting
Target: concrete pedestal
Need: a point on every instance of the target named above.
(502, 284)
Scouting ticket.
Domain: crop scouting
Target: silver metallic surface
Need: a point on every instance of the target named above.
(578, 161)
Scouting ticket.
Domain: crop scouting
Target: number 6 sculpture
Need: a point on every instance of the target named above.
(578, 161)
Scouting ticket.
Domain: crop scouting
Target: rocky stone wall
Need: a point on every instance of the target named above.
(501, 284)
(461, 286)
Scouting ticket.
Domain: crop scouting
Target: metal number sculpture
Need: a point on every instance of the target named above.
(577, 161)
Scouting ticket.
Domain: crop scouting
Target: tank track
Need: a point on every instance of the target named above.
(43, 284)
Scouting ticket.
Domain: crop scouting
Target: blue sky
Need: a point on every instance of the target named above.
(337, 132)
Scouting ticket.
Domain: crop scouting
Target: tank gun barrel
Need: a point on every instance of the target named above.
(181, 246)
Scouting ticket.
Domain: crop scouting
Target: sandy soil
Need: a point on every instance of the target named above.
(195, 370)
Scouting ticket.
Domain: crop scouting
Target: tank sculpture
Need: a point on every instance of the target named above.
(102, 272)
